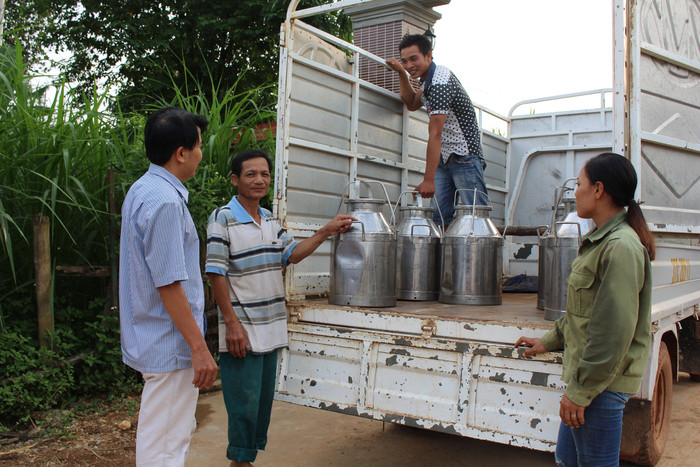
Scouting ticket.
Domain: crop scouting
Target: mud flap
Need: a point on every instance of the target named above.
(636, 425)
(689, 346)
(645, 425)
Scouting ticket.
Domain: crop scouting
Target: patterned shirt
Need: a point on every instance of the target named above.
(443, 94)
(159, 246)
(251, 257)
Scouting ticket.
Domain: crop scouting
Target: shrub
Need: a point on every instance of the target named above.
(34, 379)
(85, 360)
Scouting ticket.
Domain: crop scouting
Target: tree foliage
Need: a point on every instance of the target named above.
(29, 21)
(129, 44)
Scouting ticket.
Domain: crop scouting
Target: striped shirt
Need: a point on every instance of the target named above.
(159, 246)
(251, 257)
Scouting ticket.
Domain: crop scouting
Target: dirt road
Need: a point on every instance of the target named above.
(302, 436)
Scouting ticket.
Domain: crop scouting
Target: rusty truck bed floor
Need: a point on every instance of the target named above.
(517, 308)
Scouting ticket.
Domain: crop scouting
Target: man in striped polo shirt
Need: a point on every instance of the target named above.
(161, 295)
(454, 158)
(246, 250)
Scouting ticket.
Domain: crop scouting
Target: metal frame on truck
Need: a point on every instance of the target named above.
(453, 368)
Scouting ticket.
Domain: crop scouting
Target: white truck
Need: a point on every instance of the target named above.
(453, 368)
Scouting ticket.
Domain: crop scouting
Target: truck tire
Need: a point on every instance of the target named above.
(646, 424)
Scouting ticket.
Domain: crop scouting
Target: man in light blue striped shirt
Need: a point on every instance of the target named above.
(161, 295)
(246, 250)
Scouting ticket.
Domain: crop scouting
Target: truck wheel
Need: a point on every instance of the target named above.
(646, 424)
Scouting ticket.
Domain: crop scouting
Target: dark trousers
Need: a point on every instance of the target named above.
(248, 385)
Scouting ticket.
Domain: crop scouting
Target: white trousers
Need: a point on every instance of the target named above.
(166, 418)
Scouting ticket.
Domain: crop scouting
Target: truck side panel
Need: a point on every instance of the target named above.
(476, 390)
(665, 123)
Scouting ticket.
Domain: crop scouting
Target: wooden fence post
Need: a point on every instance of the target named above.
(42, 272)
(113, 233)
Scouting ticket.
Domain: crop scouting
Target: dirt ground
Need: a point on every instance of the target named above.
(311, 437)
(93, 438)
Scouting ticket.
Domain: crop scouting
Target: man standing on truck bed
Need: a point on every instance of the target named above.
(246, 249)
(454, 159)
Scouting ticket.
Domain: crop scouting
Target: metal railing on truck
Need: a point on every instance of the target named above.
(334, 127)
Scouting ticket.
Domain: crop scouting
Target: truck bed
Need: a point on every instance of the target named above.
(503, 323)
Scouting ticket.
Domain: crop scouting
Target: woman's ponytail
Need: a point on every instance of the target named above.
(635, 218)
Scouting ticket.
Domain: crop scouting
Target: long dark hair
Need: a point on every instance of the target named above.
(620, 181)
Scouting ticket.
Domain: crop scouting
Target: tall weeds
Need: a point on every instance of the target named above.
(57, 148)
(53, 161)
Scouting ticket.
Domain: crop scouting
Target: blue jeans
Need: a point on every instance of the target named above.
(596, 442)
(460, 172)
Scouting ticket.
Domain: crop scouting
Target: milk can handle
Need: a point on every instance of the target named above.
(398, 202)
(430, 232)
(557, 198)
(343, 194)
(363, 228)
(393, 219)
(454, 202)
(556, 237)
(442, 218)
(346, 189)
(558, 194)
(366, 182)
(543, 229)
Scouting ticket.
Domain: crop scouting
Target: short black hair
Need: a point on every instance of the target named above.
(423, 43)
(237, 162)
(169, 128)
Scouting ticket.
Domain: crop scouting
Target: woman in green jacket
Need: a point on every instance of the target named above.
(606, 332)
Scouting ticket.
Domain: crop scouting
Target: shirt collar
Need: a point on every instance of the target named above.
(241, 214)
(612, 223)
(163, 173)
(429, 76)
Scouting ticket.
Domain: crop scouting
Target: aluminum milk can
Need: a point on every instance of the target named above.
(363, 260)
(417, 253)
(562, 207)
(559, 257)
(472, 259)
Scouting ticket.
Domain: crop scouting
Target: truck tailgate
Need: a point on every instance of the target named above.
(442, 367)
